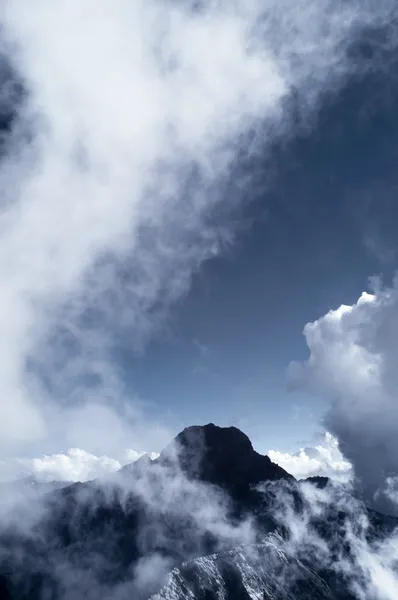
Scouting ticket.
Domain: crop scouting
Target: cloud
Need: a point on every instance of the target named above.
(350, 551)
(352, 363)
(73, 465)
(113, 174)
(324, 460)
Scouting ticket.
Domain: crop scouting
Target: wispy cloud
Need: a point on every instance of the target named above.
(350, 550)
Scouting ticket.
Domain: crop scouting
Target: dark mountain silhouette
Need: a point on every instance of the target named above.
(223, 456)
(202, 512)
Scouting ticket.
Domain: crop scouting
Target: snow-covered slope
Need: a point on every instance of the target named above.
(252, 572)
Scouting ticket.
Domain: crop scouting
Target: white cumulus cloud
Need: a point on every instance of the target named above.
(323, 459)
(73, 465)
(353, 363)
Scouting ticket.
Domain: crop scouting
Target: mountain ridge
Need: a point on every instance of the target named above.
(208, 494)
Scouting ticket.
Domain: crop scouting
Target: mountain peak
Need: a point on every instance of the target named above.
(222, 456)
(212, 436)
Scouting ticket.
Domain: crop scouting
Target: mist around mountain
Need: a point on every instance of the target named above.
(31, 482)
(210, 519)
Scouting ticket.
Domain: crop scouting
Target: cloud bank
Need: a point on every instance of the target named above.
(74, 465)
(322, 460)
(352, 363)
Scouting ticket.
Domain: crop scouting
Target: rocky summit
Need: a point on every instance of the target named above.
(223, 456)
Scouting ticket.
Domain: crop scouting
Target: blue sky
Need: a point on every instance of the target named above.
(309, 243)
(184, 188)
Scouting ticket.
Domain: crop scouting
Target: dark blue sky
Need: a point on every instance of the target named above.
(321, 219)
